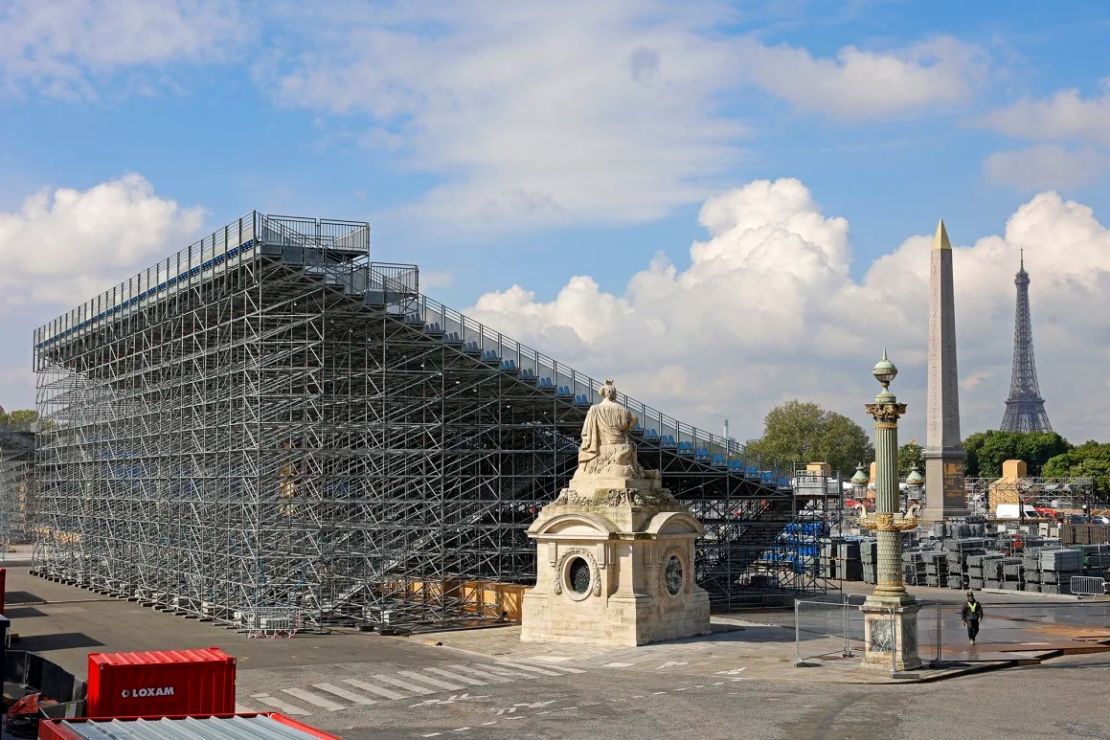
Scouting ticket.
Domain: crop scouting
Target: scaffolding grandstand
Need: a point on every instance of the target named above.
(268, 425)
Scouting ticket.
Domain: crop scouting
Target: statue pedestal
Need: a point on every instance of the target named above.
(890, 624)
(615, 566)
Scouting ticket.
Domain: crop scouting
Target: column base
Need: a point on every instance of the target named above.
(890, 626)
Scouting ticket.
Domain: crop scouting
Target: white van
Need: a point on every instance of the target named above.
(1016, 511)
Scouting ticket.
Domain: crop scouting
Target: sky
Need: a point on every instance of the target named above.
(723, 206)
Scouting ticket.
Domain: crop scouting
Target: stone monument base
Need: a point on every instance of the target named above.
(615, 566)
(890, 625)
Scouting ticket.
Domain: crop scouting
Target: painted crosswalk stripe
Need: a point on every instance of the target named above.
(480, 673)
(503, 671)
(344, 693)
(281, 706)
(406, 685)
(456, 676)
(244, 709)
(375, 689)
(320, 701)
(532, 668)
(429, 680)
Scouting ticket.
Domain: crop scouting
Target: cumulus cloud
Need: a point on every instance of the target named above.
(59, 48)
(860, 84)
(64, 246)
(600, 111)
(767, 310)
(1064, 115)
(1046, 166)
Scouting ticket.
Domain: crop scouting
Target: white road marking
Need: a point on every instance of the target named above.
(316, 699)
(344, 693)
(406, 685)
(280, 705)
(432, 734)
(429, 680)
(377, 689)
(456, 676)
(243, 709)
(532, 668)
(659, 692)
(552, 658)
(492, 722)
(732, 672)
(671, 663)
(492, 677)
(503, 671)
(619, 665)
(460, 729)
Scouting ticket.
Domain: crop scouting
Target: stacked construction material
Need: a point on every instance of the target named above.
(869, 556)
(1085, 534)
(1096, 559)
(936, 569)
(1013, 574)
(826, 566)
(1056, 569)
(1031, 568)
(956, 554)
(982, 569)
(913, 567)
(849, 561)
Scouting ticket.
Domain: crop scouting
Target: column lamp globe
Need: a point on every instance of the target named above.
(884, 371)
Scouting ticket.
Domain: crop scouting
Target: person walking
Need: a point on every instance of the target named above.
(971, 616)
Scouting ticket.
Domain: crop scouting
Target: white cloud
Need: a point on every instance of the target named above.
(59, 48)
(67, 245)
(767, 311)
(1066, 115)
(1046, 166)
(859, 84)
(552, 113)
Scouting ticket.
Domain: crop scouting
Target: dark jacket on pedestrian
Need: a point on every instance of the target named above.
(973, 611)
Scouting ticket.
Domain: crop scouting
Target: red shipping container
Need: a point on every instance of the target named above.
(161, 683)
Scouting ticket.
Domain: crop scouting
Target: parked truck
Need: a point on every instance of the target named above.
(1016, 511)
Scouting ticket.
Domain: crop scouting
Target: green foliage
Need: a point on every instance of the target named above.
(909, 455)
(1089, 460)
(20, 418)
(986, 451)
(796, 432)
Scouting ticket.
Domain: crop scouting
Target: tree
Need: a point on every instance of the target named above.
(799, 432)
(20, 418)
(1089, 460)
(986, 451)
(909, 455)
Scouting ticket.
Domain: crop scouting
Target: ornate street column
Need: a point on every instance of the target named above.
(890, 614)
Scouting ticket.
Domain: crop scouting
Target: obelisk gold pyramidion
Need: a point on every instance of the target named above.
(944, 456)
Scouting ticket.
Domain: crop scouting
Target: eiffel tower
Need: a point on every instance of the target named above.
(1025, 407)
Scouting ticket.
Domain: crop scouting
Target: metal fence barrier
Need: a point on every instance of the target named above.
(1088, 585)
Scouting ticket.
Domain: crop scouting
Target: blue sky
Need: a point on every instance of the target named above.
(529, 144)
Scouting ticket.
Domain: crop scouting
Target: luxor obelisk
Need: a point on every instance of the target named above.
(944, 455)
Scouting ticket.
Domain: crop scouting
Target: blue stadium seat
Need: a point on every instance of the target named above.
(490, 355)
(546, 384)
(582, 400)
(667, 441)
(564, 391)
(686, 448)
(508, 366)
(651, 434)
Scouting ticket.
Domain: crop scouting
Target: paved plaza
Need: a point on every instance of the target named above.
(738, 682)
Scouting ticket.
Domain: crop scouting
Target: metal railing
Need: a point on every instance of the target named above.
(565, 381)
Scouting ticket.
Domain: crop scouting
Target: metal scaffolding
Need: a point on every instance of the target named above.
(17, 476)
(268, 426)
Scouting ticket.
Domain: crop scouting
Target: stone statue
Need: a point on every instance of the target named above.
(606, 448)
